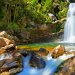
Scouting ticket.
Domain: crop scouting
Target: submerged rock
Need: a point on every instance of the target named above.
(58, 51)
(37, 61)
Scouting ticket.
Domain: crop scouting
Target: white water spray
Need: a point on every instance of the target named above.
(69, 29)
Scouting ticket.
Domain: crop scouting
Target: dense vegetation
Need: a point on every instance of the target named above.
(28, 15)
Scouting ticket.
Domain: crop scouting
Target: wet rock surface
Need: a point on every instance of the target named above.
(10, 59)
(58, 51)
(67, 67)
(43, 52)
(24, 52)
(37, 61)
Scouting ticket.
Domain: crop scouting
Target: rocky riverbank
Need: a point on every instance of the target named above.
(11, 61)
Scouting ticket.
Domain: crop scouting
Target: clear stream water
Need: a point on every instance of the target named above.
(52, 64)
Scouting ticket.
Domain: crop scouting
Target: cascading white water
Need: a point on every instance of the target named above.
(51, 65)
(69, 29)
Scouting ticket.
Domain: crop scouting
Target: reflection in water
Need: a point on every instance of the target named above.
(51, 66)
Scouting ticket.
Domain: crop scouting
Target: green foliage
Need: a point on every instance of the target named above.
(38, 12)
(2, 9)
(47, 5)
(63, 10)
(3, 26)
(13, 26)
(12, 12)
(63, 13)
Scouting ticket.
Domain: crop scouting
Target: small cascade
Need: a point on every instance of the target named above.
(51, 65)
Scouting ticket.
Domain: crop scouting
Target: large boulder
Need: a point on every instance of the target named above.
(67, 67)
(37, 61)
(58, 51)
(5, 35)
(2, 42)
(6, 42)
(11, 61)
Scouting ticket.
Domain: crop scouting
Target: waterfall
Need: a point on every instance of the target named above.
(69, 29)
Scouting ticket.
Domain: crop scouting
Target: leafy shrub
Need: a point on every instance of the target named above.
(62, 13)
(13, 26)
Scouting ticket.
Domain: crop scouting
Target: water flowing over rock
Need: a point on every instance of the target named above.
(24, 52)
(37, 61)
